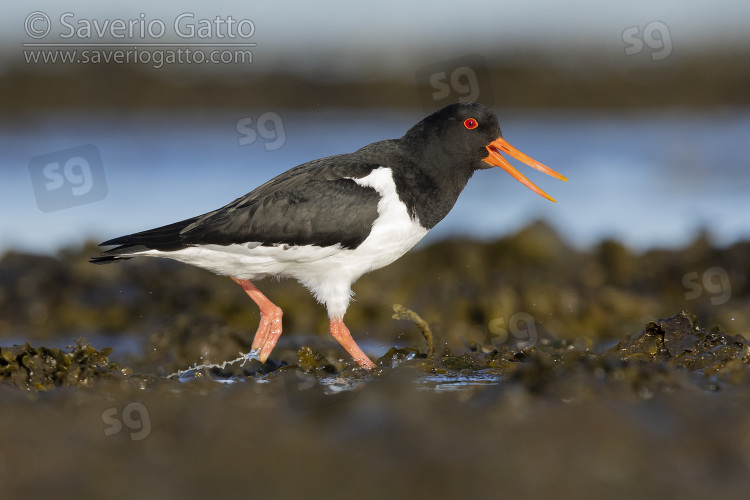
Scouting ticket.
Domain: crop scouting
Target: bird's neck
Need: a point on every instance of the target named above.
(428, 180)
(431, 187)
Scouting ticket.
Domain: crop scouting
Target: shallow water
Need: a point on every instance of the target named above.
(179, 165)
(457, 381)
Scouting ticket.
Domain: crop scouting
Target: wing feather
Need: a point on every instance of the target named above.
(317, 203)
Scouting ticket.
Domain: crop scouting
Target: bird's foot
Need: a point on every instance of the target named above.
(269, 329)
(268, 332)
(341, 333)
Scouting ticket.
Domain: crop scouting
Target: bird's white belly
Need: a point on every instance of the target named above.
(327, 271)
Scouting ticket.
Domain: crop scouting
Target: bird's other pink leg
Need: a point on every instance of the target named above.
(341, 333)
(269, 329)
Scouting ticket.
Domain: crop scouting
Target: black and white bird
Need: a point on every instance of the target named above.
(329, 221)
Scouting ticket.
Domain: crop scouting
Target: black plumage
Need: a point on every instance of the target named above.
(318, 203)
(285, 210)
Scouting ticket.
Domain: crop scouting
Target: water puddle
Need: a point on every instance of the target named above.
(457, 382)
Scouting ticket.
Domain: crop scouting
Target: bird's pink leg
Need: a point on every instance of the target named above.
(269, 329)
(341, 333)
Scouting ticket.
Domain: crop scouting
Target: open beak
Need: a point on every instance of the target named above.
(500, 145)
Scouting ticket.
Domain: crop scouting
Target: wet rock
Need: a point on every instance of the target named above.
(678, 342)
(665, 356)
(678, 334)
(311, 361)
(675, 336)
(43, 368)
(468, 361)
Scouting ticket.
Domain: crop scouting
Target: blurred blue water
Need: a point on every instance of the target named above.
(649, 178)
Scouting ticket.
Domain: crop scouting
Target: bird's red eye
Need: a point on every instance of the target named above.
(470, 123)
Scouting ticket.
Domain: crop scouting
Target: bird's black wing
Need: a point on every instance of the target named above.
(314, 204)
(317, 203)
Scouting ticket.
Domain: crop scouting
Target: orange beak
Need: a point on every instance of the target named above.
(500, 145)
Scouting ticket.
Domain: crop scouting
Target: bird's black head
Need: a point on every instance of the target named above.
(459, 131)
(466, 137)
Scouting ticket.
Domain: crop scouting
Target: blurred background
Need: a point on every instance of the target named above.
(117, 117)
(122, 117)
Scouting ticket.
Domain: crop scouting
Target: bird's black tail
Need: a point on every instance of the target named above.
(123, 252)
(166, 238)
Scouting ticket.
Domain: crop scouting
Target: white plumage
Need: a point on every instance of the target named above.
(328, 272)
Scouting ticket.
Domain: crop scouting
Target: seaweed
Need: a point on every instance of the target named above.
(43, 368)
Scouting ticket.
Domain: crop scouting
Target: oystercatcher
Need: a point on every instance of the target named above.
(329, 221)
